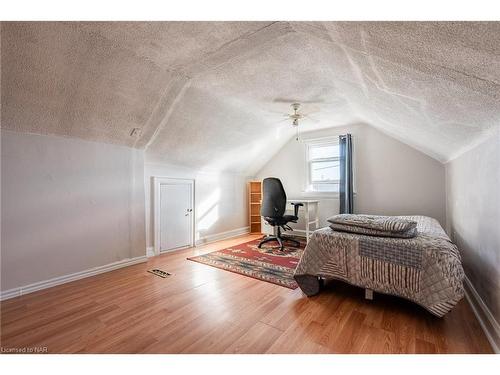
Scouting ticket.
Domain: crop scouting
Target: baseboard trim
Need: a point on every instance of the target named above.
(16, 292)
(223, 235)
(483, 314)
(150, 251)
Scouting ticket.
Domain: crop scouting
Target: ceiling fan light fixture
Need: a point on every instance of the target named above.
(295, 117)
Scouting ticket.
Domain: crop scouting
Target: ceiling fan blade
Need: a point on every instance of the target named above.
(281, 121)
(307, 117)
(307, 113)
(276, 112)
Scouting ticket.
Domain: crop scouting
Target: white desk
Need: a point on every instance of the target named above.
(309, 206)
(309, 211)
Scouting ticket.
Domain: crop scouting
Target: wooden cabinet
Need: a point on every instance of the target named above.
(254, 203)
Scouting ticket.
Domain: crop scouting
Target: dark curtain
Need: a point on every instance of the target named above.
(345, 187)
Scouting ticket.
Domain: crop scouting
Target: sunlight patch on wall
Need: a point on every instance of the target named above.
(208, 210)
(209, 219)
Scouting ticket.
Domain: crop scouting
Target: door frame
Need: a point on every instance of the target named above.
(157, 182)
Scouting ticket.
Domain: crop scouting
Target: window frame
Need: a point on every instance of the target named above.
(308, 163)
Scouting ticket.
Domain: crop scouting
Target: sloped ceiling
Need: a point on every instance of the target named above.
(212, 94)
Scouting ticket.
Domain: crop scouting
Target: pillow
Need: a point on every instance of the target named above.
(373, 225)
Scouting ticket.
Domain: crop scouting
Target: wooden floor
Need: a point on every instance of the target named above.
(201, 309)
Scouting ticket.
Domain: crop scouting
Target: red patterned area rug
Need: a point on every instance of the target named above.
(267, 264)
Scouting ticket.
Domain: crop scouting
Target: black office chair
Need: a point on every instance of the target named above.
(273, 211)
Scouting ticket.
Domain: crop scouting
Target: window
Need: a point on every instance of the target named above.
(323, 166)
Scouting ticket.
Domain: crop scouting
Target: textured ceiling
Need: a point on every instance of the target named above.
(212, 94)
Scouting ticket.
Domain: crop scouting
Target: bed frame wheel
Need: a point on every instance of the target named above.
(369, 294)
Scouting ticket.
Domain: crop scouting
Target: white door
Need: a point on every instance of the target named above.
(176, 215)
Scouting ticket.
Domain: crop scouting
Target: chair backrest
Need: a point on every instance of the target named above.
(274, 198)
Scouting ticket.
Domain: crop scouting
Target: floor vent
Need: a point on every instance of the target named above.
(160, 273)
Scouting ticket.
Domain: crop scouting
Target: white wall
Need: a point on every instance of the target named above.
(390, 178)
(67, 205)
(220, 199)
(473, 216)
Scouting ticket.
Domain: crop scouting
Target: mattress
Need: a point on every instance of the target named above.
(425, 269)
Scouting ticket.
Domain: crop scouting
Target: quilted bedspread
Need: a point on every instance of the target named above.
(425, 269)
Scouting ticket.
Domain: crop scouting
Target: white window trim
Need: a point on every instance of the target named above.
(307, 184)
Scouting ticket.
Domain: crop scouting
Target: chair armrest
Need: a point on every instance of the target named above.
(296, 208)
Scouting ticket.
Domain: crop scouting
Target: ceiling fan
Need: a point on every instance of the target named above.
(296, 116)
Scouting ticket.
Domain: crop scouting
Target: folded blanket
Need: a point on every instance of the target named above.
(373, 225)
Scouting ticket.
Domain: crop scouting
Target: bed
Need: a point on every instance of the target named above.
(425, 269)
